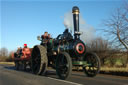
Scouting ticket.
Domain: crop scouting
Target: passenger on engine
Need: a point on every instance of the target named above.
(50, 40)
(26, 51)
(19, 51)
(49, 36)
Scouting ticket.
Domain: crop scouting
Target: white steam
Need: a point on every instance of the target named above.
(88, 31)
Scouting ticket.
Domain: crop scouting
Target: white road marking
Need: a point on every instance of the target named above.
(65, 81)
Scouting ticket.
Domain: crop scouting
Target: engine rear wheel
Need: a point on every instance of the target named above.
(39, 60)
(63, 65)
(93, 64)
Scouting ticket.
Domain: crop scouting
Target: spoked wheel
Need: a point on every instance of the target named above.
(24, 65)
(93, 64)
(63, 65)
(17, 65)
(39, 60)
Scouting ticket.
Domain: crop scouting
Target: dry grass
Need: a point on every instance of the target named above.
(8, 63)
(114, 69)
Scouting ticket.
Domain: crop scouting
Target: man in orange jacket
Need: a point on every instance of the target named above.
(26, 52)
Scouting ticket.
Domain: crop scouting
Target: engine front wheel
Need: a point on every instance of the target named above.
(93, 64)
(63, 65)
(17, 65)
(24, 65)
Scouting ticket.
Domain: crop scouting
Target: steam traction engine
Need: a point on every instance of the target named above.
(64, 52)
(22, 58)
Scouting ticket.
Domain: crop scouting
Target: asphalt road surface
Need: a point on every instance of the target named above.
(9, 76)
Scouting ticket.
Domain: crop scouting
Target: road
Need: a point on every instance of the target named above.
(9, 76)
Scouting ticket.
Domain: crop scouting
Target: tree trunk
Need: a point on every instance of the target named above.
(124, 44)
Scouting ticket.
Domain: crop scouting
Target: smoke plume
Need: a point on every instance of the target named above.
(87, 30)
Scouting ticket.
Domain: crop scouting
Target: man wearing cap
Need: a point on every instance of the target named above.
(26, 51)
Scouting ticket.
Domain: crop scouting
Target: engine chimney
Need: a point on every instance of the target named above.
(75, 11)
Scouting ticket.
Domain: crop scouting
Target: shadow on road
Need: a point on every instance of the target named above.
(49, 73)
(9, 67)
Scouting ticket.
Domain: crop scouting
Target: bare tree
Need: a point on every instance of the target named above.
(101, 47)
(9, 58)
(98, 45)
(4, 52)
(117, 27)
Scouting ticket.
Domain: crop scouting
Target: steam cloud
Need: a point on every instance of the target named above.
(88, 31)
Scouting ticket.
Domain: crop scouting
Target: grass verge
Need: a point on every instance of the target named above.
(8, 63)
(120, 71)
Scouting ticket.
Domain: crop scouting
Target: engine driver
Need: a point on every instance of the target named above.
(44, 38)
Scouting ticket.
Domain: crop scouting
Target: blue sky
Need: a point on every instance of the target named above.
(23, 20)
